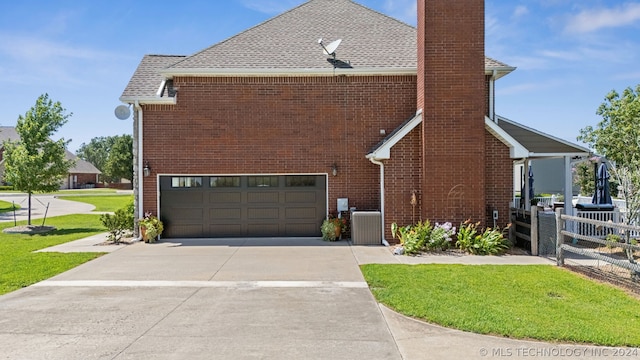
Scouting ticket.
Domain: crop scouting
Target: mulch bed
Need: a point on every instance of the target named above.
(29, 229)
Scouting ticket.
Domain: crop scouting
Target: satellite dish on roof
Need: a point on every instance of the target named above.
(331, 48)
(122, 112)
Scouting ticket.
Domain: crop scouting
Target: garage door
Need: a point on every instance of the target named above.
(239, 206)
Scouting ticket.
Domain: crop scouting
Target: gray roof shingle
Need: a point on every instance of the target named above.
(146, 80)
(288, 43)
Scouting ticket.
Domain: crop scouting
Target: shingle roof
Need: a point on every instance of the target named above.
(147, 79)
(290, 40)
(288, 43)
(81, 167)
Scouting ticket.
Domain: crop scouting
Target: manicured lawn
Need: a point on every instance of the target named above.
(21, 267)
(102, 202)
(526, 302)
(7, 206)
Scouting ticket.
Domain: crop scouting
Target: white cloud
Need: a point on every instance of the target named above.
(520, 10)
(595, 19)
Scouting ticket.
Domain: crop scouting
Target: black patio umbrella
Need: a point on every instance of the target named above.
(531, 192)
(602, 194)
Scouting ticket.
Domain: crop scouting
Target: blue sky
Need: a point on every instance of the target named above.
(569, 54)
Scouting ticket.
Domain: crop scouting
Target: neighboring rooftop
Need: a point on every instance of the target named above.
(81, 167)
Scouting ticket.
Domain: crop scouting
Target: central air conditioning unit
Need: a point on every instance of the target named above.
(366, 228)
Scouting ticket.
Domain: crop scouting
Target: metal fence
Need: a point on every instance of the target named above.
(599, 247)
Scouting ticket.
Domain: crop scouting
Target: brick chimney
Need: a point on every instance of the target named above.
(451, 93)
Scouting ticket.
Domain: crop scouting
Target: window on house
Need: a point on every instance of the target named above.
(224, 181)
(300, 180)
(186, 182)
(262, 181)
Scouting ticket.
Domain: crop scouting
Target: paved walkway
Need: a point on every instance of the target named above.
(238, 299)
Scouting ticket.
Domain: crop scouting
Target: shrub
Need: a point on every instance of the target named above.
(441, 236)
(414, 238)
(118, 223)
(491, 241)
(153, 227)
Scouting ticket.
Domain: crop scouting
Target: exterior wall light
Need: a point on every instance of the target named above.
(334, 169)
(146, 169)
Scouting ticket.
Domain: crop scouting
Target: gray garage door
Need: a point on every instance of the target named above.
(238, 206)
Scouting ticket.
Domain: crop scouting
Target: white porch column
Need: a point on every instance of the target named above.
(568, 186)
(525, 196)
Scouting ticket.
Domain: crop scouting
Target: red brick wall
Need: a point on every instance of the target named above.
(499, 180)
(403, 176)
(451, 77)
(277, 125)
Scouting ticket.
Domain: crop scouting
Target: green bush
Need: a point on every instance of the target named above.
(118, 223)
(491, 241)
(440, 236)
(414, 238)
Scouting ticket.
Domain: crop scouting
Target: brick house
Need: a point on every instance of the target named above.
(83, 174)
(262, 133)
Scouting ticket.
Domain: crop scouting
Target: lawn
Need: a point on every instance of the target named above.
(7, 206)
(102, 202)
(21, 267)
(525, 302)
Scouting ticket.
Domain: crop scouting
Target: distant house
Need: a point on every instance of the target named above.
(82, 175)
(265, 133)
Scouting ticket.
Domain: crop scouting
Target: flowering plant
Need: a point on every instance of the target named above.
(332, 227)
(150, 227)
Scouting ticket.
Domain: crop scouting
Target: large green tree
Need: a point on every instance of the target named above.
(617, 137)
(120, 160)
(112, 155)
(35, 163)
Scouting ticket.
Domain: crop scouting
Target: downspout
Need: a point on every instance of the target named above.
(379, 163)
(138, 169)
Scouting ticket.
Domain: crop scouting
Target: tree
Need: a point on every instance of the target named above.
(112, 155)
(120, 160)
(96, 152)
(617, 137)
(35, 163)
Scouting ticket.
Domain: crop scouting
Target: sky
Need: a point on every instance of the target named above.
(568, 54)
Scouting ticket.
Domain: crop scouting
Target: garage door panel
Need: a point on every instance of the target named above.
(225, 197)
(183, 198)
(263, 213)
(300, 197)
(188, 216)
(178, 230)
(225, 230)
(300, 213)
(263, 197)
(258, 230)
(225, 214)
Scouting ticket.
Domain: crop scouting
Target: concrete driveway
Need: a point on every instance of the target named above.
(236, 299)
(199, 299)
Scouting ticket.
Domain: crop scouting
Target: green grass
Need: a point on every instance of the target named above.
(7, 206)
(526, 302)
(102, 202)
(21, 267)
